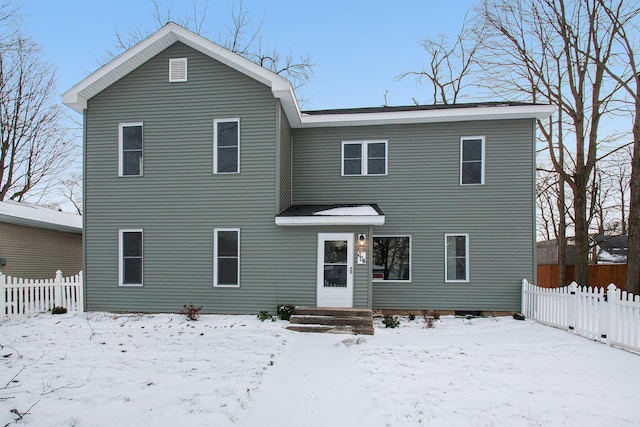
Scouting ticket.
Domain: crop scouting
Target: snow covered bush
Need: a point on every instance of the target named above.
(285, 311)
(391, 321)
(191, 312)
(58, 310)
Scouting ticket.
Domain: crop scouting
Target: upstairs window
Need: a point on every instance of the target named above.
(456, 258)
(130, 268)
(130, 148)
(364, 158)
(226, 257)
(472, 160)
(177, 70)
(226, 146)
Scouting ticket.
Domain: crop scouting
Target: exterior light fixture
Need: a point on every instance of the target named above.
(362, 240)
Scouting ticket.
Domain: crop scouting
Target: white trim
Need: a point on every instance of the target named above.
(215, 257)
(427, 116)
(483, 159)
(364, 157)
(121, 149)
(121, 257)
(410, 258)
(174, 70)
(215, 145)
(446, 267)
(330, 220)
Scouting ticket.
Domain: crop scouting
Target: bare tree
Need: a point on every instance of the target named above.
(241, 35)
(622, 24)
(34, 145)
(449, 63)
(556, 49)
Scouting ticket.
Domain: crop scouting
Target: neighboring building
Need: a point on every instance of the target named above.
(611, 249)
(36, 241)
(205, 184)
(605, 249)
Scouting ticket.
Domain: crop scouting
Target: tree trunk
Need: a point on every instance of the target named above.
(633, 245)
(581, 237)
(562, 234)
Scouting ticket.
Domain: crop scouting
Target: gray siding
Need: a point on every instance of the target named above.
(36, 253)
(179, 201)
(421, 196)
(284, 163)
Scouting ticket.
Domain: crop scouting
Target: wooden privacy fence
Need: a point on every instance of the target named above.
(611, 316)
(599, 275)
(31, 296)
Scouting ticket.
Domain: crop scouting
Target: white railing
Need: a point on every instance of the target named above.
(31, 296)
(611, 316)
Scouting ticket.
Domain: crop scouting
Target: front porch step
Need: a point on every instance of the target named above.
(333, 311)
(332, 320)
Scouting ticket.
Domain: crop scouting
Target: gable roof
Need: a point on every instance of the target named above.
(77, 97)
(20, 213)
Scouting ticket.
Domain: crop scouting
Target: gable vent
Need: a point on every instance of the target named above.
(178, 70)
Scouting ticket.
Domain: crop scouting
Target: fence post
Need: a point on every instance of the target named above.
(57, 290)
(571, 306)
(3, 295)
(523, 304)
(612, 326)
(81, 292)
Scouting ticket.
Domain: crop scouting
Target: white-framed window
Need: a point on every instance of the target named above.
(392, 258)
(472, 160)
(364, 158)
(130, 140)
(226, 257)
(226, 146)
(177, 70)
(130, 265)
(456, 258)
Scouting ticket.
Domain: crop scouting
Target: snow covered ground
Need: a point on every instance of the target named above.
(100, 369)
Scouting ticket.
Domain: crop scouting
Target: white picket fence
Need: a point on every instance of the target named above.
(31, 296)
(611, 316)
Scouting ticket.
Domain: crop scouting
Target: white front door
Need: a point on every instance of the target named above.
(335, 270)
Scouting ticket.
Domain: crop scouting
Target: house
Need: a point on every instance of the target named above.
(206, 184)
(35, 241)
(610, 249)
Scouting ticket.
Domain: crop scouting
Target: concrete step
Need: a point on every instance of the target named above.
(329, 311)
(359, 330)
(331, 320)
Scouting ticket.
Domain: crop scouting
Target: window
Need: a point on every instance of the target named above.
(130, 148)
(226, 257)
(177, 70)
(456, 258)
(392, 258)
(472, 160)
(130, 268)
(226, 146)
(364, 158)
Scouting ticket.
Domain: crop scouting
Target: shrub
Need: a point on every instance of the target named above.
(431, 313)
(391, 321)
(285, 311)
(518, 316)
(191, 312)
(412, 316)
(58, 310)
(265, 315)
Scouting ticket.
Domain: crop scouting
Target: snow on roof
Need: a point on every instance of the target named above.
(37, 216)
(364, 210)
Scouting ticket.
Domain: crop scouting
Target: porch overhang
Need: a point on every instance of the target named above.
(306, 215)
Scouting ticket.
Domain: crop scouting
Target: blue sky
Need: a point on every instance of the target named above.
(357, 47)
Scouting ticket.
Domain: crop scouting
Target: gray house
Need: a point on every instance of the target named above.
(206, 184)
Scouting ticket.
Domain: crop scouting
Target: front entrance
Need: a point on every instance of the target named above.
(335, 270)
